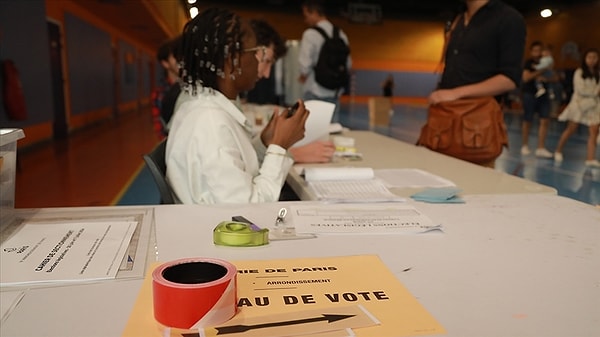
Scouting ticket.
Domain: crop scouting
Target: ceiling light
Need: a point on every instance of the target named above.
(193, 12)
(546, 13)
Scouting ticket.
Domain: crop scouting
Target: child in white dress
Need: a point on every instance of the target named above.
(584, 107)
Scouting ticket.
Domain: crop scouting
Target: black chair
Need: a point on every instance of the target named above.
(155, 161)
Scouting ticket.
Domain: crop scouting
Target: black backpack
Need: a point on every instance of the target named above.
(331, 71)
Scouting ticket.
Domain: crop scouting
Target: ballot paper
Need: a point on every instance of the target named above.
(348, 184)
(318, 121)
(379, 218)
(64, 252)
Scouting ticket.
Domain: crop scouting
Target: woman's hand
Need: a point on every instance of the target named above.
(320, 151)
(284, 131)
(442, 95)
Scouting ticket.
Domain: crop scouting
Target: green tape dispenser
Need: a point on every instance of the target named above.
(240, 233)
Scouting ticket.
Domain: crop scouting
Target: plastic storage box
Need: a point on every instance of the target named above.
(8, 166)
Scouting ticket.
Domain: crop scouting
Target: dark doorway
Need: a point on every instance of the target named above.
(59, 127)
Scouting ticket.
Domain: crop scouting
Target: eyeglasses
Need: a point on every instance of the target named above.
(262, 58)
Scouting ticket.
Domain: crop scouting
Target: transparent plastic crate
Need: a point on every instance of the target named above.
(8, 167)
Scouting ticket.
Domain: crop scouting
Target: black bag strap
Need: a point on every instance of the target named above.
(322, 31)
(447, 33)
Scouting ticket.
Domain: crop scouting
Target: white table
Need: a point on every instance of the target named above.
(381, 152)
(506, 265)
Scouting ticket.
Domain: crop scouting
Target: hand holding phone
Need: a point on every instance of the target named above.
(292, 110)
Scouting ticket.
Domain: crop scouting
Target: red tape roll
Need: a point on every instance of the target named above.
(194, 293)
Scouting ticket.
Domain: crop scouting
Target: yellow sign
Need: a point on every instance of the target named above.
(304, 288)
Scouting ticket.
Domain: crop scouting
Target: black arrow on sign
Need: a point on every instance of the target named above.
(242, 328)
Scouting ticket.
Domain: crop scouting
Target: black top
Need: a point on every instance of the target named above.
(387, 89)
(493, 43)
(168, 102)
(529, 86)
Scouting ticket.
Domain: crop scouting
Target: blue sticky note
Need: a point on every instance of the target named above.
(439, 195)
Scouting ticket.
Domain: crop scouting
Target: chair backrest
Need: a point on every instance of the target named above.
(155, 161)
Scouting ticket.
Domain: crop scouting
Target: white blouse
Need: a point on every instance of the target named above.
(584, 107)
(211, 157)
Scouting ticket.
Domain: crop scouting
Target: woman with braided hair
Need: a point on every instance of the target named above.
(211, 157)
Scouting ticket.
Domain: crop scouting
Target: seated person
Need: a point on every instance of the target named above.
(211, 157)
(320, 151)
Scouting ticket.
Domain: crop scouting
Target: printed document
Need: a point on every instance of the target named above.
(288, 297)
(64, 252)
(360, 219)
(348, 184)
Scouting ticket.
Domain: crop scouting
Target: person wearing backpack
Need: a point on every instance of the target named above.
(324, 62)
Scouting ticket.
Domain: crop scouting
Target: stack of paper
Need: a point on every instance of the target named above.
(318, 121)
(347, 184)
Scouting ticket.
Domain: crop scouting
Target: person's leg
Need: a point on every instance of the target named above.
(543, 107)
(569, 130)
(528, 109)
(525, 137)
(543, 131)
(591, 145)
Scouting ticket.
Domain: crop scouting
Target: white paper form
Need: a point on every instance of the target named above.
(8, 302)
(411, 178)
(360, 219)
(317, 123)
(348, 184)
(64, 252)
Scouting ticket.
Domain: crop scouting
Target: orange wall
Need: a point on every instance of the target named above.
(416, 45)
(393, 45)
(580, 24)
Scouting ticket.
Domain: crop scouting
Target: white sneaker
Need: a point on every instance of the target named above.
(592, 163)
(543, 153)
(525, 150)
(558, 157)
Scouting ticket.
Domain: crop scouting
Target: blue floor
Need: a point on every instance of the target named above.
(571, 178)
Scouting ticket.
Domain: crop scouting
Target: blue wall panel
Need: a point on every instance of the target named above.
(407, 84)
(129, 71)
(89, 55)
(146, 80)
(24, 39)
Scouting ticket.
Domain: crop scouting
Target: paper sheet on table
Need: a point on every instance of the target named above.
(8, 302)
(411, 178)
(360, 219)
(64, 252)
(347, 280)
(317, 123)
(347, 184)
(338, 173)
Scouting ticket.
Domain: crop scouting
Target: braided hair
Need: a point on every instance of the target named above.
(208, 41)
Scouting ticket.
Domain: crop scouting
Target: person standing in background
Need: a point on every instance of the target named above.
(584, 107)
(310, 48)
(491, 35)
(388, 86)
(534, 102)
